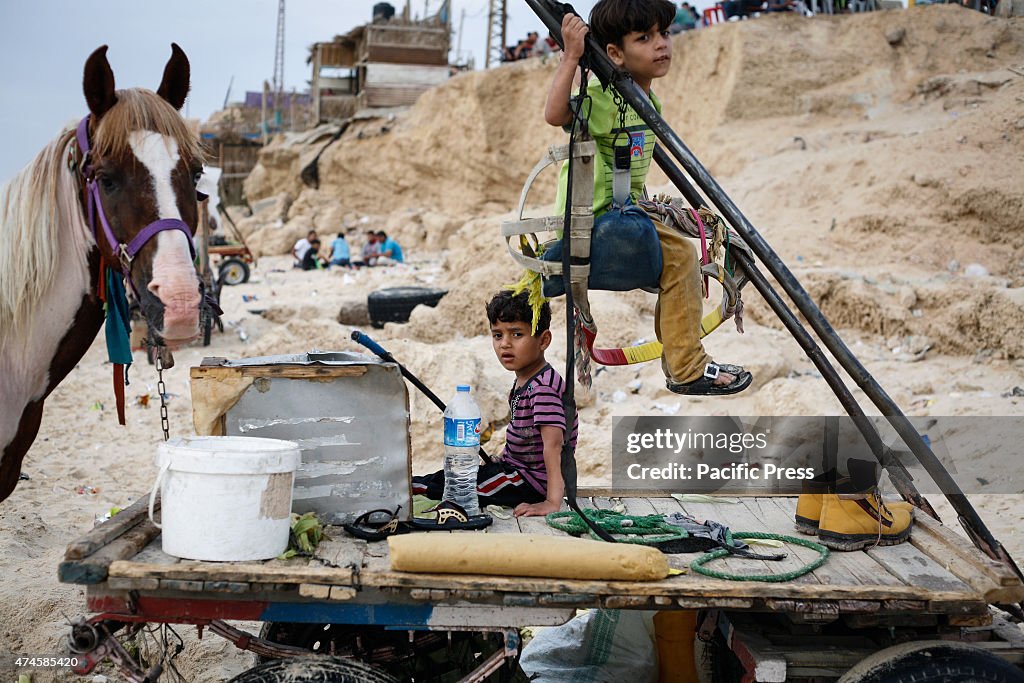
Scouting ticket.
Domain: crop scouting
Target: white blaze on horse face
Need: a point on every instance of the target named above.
(174, 279)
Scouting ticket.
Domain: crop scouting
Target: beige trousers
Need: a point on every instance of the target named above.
(678, 312)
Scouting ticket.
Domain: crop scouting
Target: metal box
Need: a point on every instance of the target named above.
(348, 412)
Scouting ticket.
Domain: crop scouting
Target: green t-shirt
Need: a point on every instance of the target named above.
(604, 127)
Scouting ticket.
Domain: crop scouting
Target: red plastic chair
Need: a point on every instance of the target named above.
(714, 15)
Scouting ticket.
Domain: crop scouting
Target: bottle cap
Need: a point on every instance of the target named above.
(462, 387)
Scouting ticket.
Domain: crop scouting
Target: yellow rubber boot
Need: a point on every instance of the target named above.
(808, 511)
(853, 522)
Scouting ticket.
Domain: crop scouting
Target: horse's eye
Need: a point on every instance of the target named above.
(196, 176)
(106, 183)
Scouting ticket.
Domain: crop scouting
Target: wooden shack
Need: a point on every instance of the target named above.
(386, 63)
(236, 154)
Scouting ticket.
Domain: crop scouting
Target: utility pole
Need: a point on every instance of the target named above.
(279, 64)
(497, 20)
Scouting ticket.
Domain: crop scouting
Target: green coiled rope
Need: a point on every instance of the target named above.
(640, 529)
(697, 565)
(651, 529)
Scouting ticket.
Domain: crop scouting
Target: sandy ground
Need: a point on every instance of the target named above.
(879, 154)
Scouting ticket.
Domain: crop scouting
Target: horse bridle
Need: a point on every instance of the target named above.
(125, 253)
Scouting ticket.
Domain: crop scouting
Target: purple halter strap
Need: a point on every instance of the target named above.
(125, 252)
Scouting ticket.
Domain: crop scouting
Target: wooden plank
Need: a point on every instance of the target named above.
(538, 526)
(154, 554)
(1000, 573)
(236, 587)
(503, 526)
(314, 590)
(281, 370)
(627, 602)
(854, 568)
(956, 554)
(914, 568)
(107, 531)
(904, 598)
(182, 585)
(972, 574)
(970, 619)
(118, 583)
(271, 572)
(95, 568)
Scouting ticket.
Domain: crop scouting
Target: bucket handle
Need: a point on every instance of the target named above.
(152, 494)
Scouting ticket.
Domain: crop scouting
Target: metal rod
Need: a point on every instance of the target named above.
(900, 477)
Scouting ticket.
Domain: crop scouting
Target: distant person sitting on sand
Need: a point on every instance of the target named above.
(684, 20)
(547, 46)
(302, 247)
(312, 259)
(339, 255)
(370, 250)
(390, 252)
(522, 49)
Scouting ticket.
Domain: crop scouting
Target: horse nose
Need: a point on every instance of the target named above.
(178, 290)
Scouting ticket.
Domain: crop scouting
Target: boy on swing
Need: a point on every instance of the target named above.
(636, 37)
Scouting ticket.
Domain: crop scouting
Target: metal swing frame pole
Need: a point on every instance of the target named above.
(901, 478)
(551, 14)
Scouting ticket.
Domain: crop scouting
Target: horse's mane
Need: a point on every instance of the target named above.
(41, 218)
(139, 109)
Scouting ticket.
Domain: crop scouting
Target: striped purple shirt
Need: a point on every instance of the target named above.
(536, 403)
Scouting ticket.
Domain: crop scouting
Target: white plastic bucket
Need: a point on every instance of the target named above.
(225, 498)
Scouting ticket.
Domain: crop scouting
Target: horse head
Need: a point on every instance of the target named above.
(142, 168)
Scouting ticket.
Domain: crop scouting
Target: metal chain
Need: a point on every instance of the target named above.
(161, 389)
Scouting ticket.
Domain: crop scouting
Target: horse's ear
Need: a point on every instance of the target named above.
(98, 83)
(174, 87)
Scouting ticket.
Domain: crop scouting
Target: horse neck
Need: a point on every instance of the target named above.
(44, 236)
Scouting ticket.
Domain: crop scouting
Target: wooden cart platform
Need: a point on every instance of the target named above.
(937, 573)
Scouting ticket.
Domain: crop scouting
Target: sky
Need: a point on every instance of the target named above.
(45, 43)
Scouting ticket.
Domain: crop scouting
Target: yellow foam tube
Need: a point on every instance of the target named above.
(525, 555)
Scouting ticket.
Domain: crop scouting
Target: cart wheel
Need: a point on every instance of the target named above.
(933, 662)
(313, 669)
(233, 271)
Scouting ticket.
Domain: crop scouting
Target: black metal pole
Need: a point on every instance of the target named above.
(901, 478)
(551, 14)
(385, 355)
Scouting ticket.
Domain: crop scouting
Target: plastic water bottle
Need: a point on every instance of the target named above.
(461, 443)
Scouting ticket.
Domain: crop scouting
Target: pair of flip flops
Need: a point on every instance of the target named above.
(377, 525)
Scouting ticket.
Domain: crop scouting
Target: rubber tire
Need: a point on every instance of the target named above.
(393, 305)
(313, 669)
(233, 271)
(933, 662)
